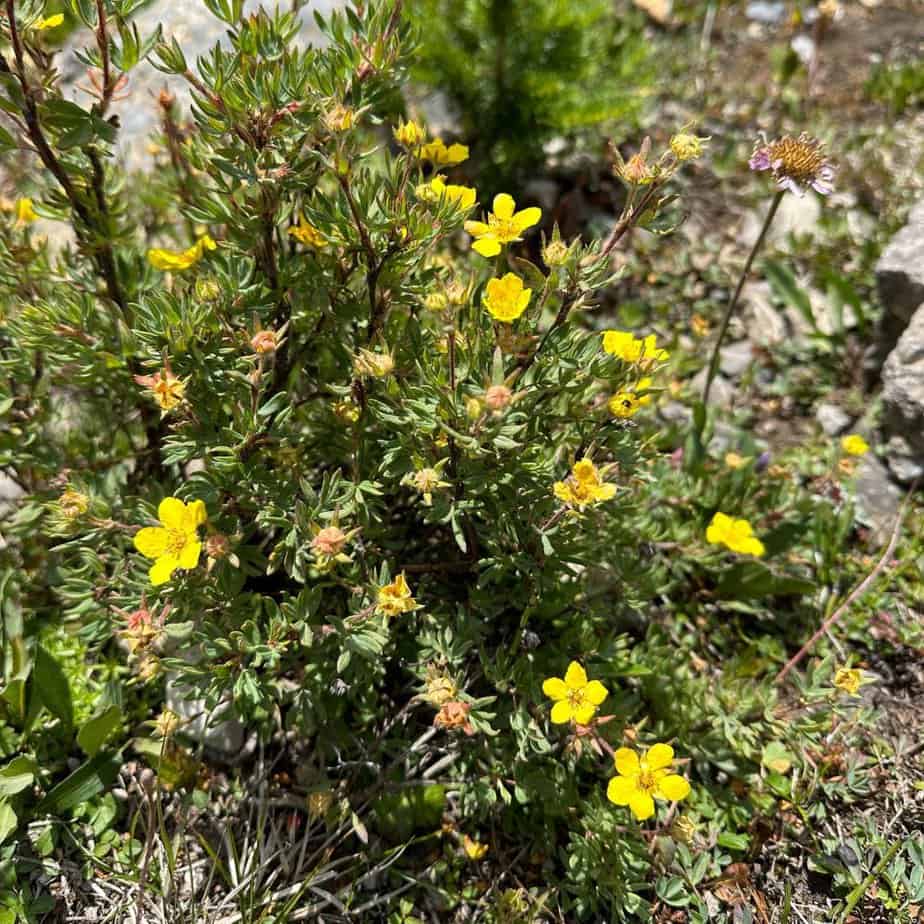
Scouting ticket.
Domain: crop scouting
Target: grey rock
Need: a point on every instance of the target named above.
(722, 393)
(797, 215)
(764, 324)
(224, 736)
(736, 358)
(765, 12)
(878, 499)
(832, 419)
(804, 47)
(903, 401)
(900, 270)
(674, 412)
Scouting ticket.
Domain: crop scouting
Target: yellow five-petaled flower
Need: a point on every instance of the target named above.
(854, 445)
(308, 235)
(395, 598)
(576, 698)
(583, 486)
(848, 679)
(641, 352)
(437, 153)
(736, 535)
(505, 298)
(175, 543)
(628, 402)
(503, 226)
(178, 260)
(642, 780)
(463, 197)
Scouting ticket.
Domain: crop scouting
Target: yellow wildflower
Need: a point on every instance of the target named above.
(854, 445)
(505, 298)
(409, 134)
(308, 235)
(427, 480)
(339, 119)
(166, 389)
(49, 22)
(462, 197)
(583, 486)
(395, 598)
(368, 362)
(736, 535)
(735, 461)
(643, 352)
(642, 780)
(504, 225)
(848, 679)
(25, 212)
(628, 402)
(346, 411)
(175, 543)
(441, 688)
(576, 698)
(686, 146)
(73, 504)
(474, 850)
(179, 260)
(441, 156)
(699, 325)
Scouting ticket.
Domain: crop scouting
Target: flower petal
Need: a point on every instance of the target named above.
(561, 712)
(196, 513)
(172, 513)
(659, 756)
(642, 805)
(527, 218)
(584, 713)
(576, 676)
(626, 761)
(151, 541)
(504, 206)
(189, 557)
(478, 228)
(162, 569)
(487, 246)
(673, 787)
(595, 692)
(555, 688)
(620, 790)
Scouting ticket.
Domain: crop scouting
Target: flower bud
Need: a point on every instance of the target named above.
(498, 397)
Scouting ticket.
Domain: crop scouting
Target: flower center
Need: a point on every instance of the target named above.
(176, 542)
(647, 781)
(576, 698)
(504, 229)
(798, 159)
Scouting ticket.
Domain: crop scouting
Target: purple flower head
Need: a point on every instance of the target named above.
(797, 164)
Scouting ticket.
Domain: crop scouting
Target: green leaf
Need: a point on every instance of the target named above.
(788, 291)
(733, 841)
(749, 579)
(8, 820)
(98, 729)
(52, 687)
(88, 780)
(17, 775)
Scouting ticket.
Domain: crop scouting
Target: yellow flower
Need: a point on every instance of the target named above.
(474, 850)
(340, 118)
(395, 598)
(346, 411)
(49, 22)
(642, 352)
(427, 480)
(73, 504)
(25, 212)
(641, 781)
(686, 146)
(848, 679)
(166, 389)
(368, 362)
(583, 486)
(699, 325)
(627, 403)
(462, 197)
(735, 461)
(179, 260)
(438, 154)
(308, 235)
(576, 699)
(736, 535)
(505, 298)
(175, 543)
(503, 226)
(409, 134)
(854, 445)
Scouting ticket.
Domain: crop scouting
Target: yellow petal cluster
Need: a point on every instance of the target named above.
(505, 298)
(440, 155)
(641, 780)
(576, 698)
(848, 679)
(49, 22)
(175, 543)
(308, 235)
(178, 260)
(25, 212)
(736, 535)
(503, 225)
(638, 351)
(628, 402)
(395, 598)
(438, 189)
(854, 445)
(584, 486)
(409, 134)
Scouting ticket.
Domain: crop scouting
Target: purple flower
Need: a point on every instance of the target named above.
(797, 164)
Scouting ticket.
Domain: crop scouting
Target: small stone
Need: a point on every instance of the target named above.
(736, 358)
(878, 499)
(900, 270)
(903, 401)
(768, 13)
(804, 47)
(722, 393)
(765, 325)
(831, 418)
